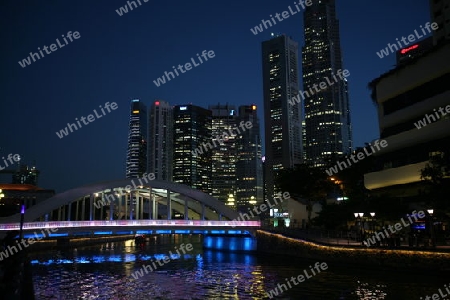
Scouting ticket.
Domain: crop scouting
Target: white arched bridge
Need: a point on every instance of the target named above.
(131, 206)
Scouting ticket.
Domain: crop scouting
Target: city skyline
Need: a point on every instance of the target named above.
(108, 63)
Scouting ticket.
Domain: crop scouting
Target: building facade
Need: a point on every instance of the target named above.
(414, 118)
(440, 13)
(249, 173)
(136, 163)
(192, 130)
(160, 140)
(224, 156)
(283, 133)
(327, 112)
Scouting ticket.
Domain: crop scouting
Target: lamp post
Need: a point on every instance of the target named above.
(361, 224)
(430, 213)
(372, 214)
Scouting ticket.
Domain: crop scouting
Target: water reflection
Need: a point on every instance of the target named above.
(105, 272)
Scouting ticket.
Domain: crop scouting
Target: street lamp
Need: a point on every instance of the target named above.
(430, 213)
(372, 214)
(359, 215)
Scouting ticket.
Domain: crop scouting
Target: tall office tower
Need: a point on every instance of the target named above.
(249, 175)
(191, 160)
(137, 140)
(440, 13)
(160, 140)
(327, 112)
(283, 142)
(223, 157)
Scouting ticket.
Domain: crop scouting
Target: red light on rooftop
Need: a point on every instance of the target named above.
(156, 102)
(403, 51)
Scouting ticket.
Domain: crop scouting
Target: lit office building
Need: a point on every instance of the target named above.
(327, 112)
(136, 163)
(249, 174)
(283, 143)
(223, 157)
(160, 140)
(191, 162)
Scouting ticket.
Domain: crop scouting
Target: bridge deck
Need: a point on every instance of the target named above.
(130, 224)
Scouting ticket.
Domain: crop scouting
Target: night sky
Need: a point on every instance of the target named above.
(117, 58)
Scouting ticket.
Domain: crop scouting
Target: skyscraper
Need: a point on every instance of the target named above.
(440, 13)
(192, 129)
(327, 112)
(249, 175)
(136, 163)
(223, 157)
(283, 142)
(160, 140)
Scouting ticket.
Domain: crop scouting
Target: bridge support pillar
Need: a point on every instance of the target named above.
(150, 197)
(76, 210)
(141, 205)
(203, 212)
(169, 206)
(131, 205)
(127, 196)
(119, 205)
(186, 209)
(83, 209)
(69, 212)
(136, 209)
(91, 202)
(111, 210)
(101, 208)
(155, 208)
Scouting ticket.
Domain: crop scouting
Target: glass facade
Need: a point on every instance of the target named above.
(160, 140)
(223, 157)
(327, 112)
(249, 180)
(136, 163)
(192, 131)
(283, 143)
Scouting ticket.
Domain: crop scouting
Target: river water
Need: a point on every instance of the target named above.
(106, 271)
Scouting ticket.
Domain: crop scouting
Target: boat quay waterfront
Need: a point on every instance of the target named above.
(346, 252)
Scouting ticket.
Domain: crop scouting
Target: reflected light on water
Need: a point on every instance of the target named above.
(365, 291)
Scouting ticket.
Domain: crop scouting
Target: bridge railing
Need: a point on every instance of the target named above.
(126, 223)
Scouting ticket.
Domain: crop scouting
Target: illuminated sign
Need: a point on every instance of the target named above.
(135, 111)
(232, 112)
(403, 51)
(183, 108)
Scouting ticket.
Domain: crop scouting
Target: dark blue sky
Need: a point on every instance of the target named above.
(118, 57)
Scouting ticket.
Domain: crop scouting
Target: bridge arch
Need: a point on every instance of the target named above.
(134, 198)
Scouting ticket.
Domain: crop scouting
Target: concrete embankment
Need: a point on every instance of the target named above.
(370, 257)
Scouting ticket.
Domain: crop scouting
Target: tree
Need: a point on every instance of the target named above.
(436, 173)
(304, 182)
